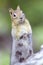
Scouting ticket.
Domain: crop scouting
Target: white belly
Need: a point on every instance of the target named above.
(17, 32)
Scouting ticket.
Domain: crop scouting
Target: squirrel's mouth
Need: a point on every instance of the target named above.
(21, 21)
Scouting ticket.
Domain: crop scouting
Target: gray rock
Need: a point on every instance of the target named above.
(35, 59)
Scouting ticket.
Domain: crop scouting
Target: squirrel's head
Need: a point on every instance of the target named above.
(17, 16)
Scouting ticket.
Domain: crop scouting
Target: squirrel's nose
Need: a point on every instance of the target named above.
(20, 17)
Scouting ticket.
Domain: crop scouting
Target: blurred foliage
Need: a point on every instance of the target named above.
(33, 10)
(4, 58)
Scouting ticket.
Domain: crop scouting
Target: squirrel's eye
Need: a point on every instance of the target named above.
(14, 15)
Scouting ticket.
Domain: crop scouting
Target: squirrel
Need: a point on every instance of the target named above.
(22, 36)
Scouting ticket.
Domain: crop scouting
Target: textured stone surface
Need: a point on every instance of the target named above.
(35, 59)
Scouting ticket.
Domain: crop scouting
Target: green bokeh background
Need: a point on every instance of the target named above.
(33, 10)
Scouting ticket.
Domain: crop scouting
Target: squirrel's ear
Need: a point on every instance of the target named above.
(18, 7)
(10, 10)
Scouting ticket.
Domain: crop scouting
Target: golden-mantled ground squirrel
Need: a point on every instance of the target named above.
(22, 36)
